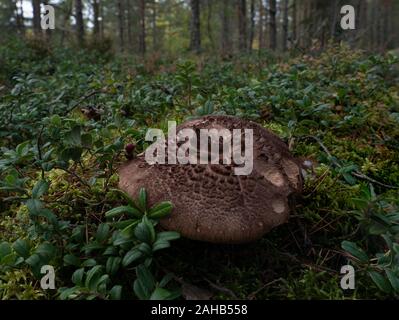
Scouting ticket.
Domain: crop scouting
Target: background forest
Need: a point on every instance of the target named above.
(213, 26)
(76, 101)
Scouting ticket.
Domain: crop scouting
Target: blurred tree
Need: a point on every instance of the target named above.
(195, 26)
(80, 29)
(20, 18)
(226, 29)
(285, 25)
(121, 24)
(252, 25)
(261, 25)
(96, 16)
(209, 29)
(272, 25)
(142, 10)
(36, 17)
(228, 24)
(294, 21)
(242, 24)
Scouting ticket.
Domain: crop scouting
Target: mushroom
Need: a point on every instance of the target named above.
(210, 202)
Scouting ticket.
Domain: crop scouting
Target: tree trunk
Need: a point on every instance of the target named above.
(387, 7)
(195, 28)
(208, 23)
(294, 21)
(272, 25)
(334, 17)
(121, 25)
(65, 22)
(285, 25)
(37, 29)
(96, 15)
(261, 32)
(142, 46)
(20, 18)
(252, 26)
(129, 27)
(362, 24)
(101, 23)
(242, 25)
(80, 29)
(225, 38)
(154, 26)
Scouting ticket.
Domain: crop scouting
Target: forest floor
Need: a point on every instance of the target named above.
(66, 116)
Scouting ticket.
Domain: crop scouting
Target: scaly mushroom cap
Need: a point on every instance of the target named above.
(210, 202)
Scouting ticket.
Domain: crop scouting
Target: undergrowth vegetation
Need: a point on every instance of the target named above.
(66, 117)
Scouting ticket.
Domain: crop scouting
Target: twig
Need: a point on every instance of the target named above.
(364, 177)
(221, 289)
(252, 295)
(75, 175)
(39, 150)
(85, 97)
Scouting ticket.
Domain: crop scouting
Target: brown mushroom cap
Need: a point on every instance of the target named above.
(210, 202)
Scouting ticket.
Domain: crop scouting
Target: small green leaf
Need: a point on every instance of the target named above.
(49, 215)
(355, 251)
(93, 275)
(34, 206)
(77, 277)
(116, 212)
(144, 284)
(160, 210)
(140, 291)
(33, 260)
(388, 241)
(126, 197)
(68, 293)
(112, 265)
(46, 251)
(89, 263)
(129, 229)
(145, 249)
(116, 293)
(166, 279)
(111, 250)
(102, 232)
(393, 279)
(71, 260)
(40, 188)
(22, 149)
(381, 282)
(145, 231)
(160, 244)
(131, 256)
(87, 140)
(349, 178)
(168, 235)
(22, 248)
(143, 199)
(146, 277)
(160, 294)
(74, 136)
(5, 249)
(9, 259)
